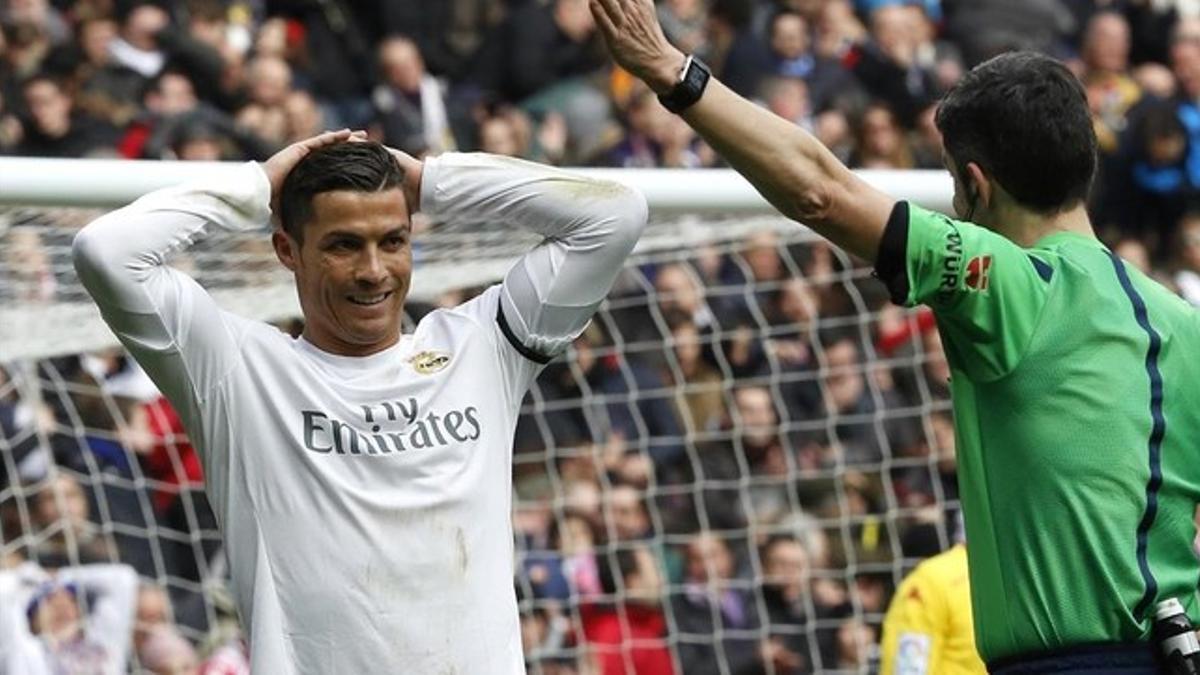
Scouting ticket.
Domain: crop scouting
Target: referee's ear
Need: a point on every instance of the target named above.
(286, 249)
(979, 185)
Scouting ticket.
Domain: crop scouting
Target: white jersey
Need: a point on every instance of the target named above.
(366, 501)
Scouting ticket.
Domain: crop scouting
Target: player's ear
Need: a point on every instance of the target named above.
(286, 248)
(978, 184)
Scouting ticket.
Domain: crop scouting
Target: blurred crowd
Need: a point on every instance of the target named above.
(736, 462)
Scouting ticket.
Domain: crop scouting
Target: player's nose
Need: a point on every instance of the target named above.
(370, 270)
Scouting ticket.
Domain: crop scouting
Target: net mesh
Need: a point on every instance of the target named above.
(731, 469)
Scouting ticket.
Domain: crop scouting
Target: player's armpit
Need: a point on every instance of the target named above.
(986, 291)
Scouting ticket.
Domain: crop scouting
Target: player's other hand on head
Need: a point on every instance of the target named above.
(412, 168)
(637, 42)
(279, 165)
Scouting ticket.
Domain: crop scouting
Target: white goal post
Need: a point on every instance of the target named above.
(112, 183)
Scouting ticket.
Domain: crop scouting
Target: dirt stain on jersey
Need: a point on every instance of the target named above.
(463, 557)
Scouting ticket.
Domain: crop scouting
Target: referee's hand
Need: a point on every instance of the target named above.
(281, 163)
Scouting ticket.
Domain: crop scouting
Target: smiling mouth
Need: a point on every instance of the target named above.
(369, 300)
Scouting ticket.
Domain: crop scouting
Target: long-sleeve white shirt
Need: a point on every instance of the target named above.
(102, 645)
(366, 501)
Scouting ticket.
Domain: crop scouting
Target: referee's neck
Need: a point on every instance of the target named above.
(1026, 227)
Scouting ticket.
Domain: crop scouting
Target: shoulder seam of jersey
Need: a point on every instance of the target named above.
(533, 355)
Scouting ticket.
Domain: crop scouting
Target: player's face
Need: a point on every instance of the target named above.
(353, 271)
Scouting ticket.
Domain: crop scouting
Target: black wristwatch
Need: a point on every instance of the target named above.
(693, 78)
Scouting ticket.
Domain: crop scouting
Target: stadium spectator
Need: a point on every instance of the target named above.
(152, 612)
(654, 138)
(542, 57)
(678, 289)
(411, 103)
(55, 128)
(61, 513)
(699, 398)
(989, 27)
(739, 476)
(788, 97)
(855, 640)
(449, 34)
(893, 64)
(849, 404)
(648, 422)
(1187, 274)
(1110, 89)
(684, 23)
(786, 596)
(794, 57)
(1134, 252)
(74, 619)
(882, 142)
(30, 275)
(269, 82)
(715, 616)
(626, 628)
(736, 50)
(1151, 184)
(165, 652)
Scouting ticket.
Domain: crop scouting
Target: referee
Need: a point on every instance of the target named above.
(1076, 379)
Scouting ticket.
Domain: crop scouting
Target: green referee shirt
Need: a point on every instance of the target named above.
(1076, 391)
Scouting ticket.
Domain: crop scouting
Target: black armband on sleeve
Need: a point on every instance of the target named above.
(532, 355)
(891, 262)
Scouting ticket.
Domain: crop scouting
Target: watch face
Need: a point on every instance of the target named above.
(689, 89)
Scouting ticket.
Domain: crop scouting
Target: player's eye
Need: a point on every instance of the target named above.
(342, 245)
(394, 242)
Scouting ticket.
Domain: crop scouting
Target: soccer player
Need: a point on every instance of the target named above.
(361, 477)
(1074, 376)
(928, 628)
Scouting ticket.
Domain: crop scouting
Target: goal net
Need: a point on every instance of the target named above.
(732, 468)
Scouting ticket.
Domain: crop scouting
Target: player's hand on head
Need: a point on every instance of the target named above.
(279, 165)
(637, 42)
(412, 168)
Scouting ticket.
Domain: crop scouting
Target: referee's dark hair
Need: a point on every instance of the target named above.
(1023, 118)
(358, 167)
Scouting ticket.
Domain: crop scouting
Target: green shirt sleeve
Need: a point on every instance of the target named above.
(986, 291)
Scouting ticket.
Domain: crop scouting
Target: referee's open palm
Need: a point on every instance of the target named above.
(635, 38)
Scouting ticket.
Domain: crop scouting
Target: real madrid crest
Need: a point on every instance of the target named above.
(429, 362)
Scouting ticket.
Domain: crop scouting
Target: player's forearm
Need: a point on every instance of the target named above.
(595, 222)
(490, 189)
(789, 167)
(116, 254)
(589, 228)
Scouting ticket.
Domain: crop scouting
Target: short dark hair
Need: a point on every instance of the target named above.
(1023, 118)
(358, 167)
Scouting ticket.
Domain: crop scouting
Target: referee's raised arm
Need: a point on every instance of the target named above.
(787, 165)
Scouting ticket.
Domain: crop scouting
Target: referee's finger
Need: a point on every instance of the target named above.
(613, 12)
(600, 14)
